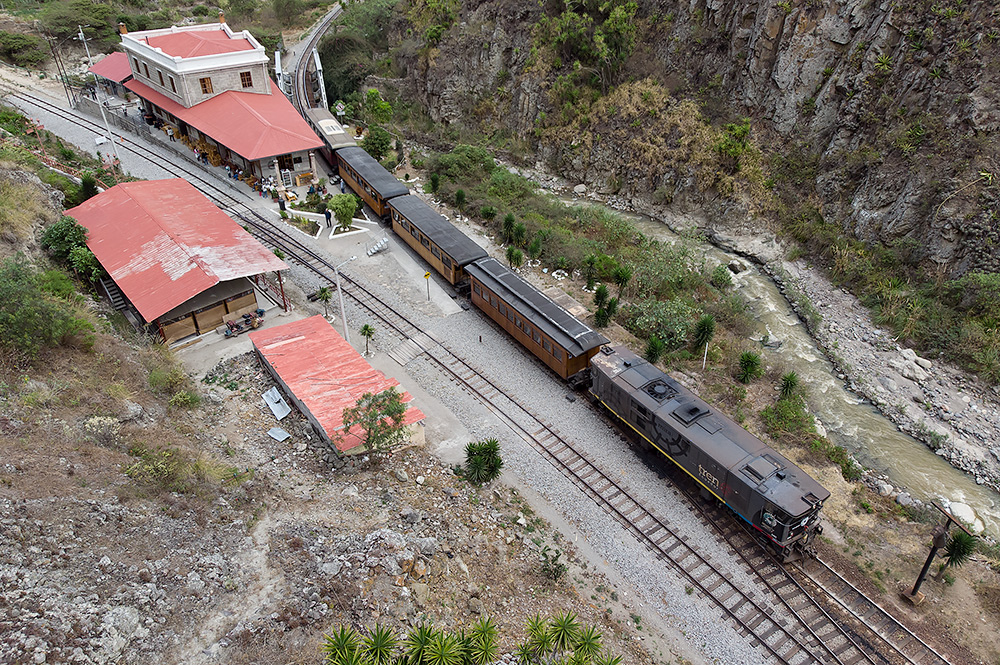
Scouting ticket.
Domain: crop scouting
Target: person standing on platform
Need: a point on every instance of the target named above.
(329, 218)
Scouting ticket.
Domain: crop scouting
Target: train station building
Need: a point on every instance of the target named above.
(178, 266)
(112, 72)
(323, 375)
(208, 87)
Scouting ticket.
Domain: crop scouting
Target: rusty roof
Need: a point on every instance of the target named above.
(324, 373)
(163, 243)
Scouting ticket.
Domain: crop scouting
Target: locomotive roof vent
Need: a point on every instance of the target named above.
(607, 350)
(659, 390)
(690, 413)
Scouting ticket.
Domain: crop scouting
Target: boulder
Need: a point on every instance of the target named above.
(410, 515)
(427, 546)
(421, 593)
(580, 189)
(884, 489)
(401, 475)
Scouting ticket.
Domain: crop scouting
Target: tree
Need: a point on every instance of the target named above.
(377, 110)
(622, 276)
(750, 367)
(64, 235)
(435, 183)
(380, 417)
(655, 349)
(590, 269)
(460, 199)
(324, 295)
(611, 307)
(520, 234)
(377, 143)
(85, 264)
(286, 10)
(343, 207)
(535, 248)
(514, 257)
(368, 333)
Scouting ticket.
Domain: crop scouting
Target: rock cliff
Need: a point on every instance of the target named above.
(887, 111)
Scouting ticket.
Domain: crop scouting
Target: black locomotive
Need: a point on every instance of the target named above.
(779, 500)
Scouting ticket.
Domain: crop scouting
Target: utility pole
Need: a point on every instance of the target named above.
(59, 68)
(83, 38)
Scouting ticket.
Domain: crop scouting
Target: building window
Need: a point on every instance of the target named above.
(206, 85)
(145, 68)
(136, 61)
(173, 87)
(246, 79)
(160, 74)
(285, 162)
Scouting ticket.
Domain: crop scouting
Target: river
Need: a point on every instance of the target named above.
(849, 421)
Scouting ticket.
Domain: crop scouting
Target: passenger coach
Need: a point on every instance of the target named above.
(443, 246)
(559, 340)
(369, 179)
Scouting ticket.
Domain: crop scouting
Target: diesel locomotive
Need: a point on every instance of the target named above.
(778, 499)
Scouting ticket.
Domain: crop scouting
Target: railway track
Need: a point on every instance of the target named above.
(797, 635)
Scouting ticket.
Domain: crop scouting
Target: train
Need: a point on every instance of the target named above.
(779, 501)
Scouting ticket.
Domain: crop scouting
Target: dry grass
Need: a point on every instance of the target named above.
(24, 205)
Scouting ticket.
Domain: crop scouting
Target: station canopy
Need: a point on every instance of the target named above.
(163, 243)
(114, 67)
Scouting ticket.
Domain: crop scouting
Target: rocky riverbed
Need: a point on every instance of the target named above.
(954, 413)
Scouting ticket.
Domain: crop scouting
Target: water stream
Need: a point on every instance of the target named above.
(850, 422)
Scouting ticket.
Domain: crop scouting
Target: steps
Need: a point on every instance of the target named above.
(114, 294)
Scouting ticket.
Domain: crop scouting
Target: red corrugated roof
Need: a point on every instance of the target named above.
(163, 243)
(190, 44)
(252, 125)
(114, 67)
(325, 374)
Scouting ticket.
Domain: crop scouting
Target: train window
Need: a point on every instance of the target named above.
(546, 345)
(413, 231)
(493, 300)
(517, 321)
(435, 252)
(557, 353)
(503, 309)
(475, 288)
(510, 315)
(446, 261)
(535, 336)
(424, 241)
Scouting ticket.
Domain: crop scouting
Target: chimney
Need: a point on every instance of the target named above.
(222, 16)
(122, 30)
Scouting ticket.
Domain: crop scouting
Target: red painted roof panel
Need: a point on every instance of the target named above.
(193, 43)
(163, 243)
(114, 67)
(252, 125)
(325, 374)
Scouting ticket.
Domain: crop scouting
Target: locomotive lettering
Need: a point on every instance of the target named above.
(707, 477)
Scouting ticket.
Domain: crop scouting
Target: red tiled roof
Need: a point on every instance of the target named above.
(163, 243)
(192, 43)
(114, 67)
(252, 125)
(325, 374)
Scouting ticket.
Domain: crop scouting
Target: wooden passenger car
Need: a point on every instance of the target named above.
(444, 247)
(369, 179)
(334, 135)
(554, 335)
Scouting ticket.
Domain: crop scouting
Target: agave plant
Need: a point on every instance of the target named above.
(416, 642)
(564, 629)
(587, 644)
(444, 650)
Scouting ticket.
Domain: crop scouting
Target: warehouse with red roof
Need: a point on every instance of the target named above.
(209, 87)
(322, 375)
(177, 264)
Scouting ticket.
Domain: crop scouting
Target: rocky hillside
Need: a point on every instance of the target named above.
(881, 116)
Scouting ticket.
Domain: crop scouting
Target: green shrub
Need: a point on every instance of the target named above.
(482, 461)
(789, 384)
(722, 277)
(669, 320)
(185, 399)
(24, 50)
(166, 380)
(655, 349)
(63, 236)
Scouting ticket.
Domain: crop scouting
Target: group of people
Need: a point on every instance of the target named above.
(200, 156)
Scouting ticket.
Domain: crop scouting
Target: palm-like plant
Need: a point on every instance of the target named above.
(564, 629)
(444, 650)
(608, 659)
(600, 296)
(704, 331)
(622, 276)
(959, 549)
(655, 348)
(379, 647)
(789, 384)
(507, 231)
(515, 258)
(587, 645)
(612, 307)
(324, 295)
(368, 333)
(481, 647)
(535, 248)
(590, 269)
(750, 367)
(340, 645)
(416, 643)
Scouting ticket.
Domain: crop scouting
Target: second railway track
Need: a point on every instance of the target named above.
(796, 635)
